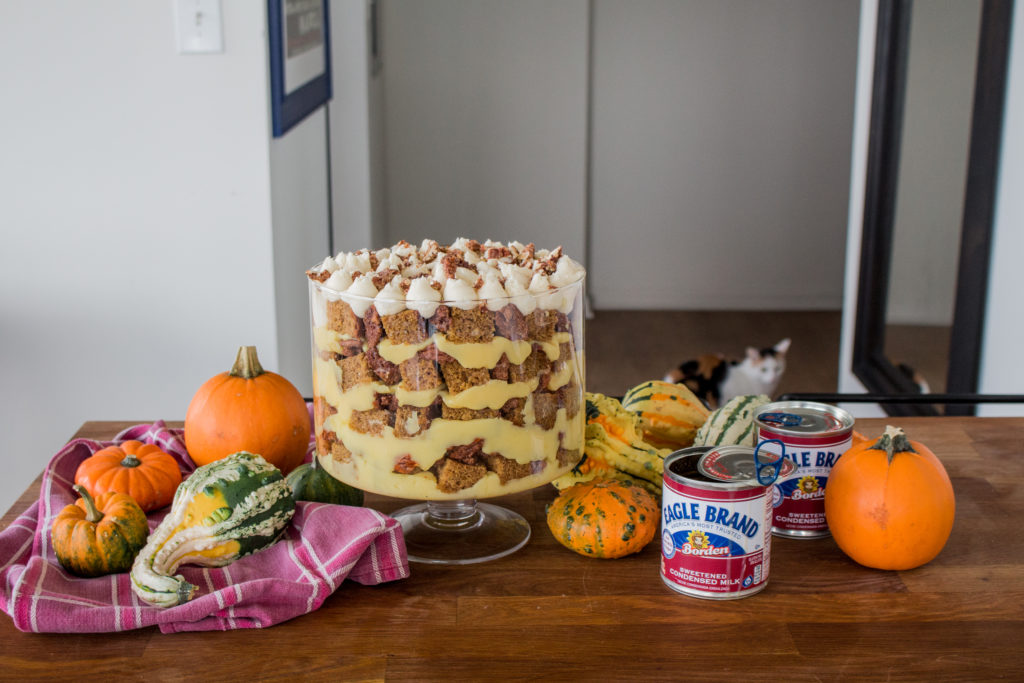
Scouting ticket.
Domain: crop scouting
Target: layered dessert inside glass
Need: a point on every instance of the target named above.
(448, 372)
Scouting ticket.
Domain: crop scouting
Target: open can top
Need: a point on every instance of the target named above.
(740, 464)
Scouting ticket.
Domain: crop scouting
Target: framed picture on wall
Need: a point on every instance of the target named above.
(300, 60)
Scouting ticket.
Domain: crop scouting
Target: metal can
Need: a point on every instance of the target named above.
(814, 435)
(715, 534)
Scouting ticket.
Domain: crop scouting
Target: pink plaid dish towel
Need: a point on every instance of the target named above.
(323, 546)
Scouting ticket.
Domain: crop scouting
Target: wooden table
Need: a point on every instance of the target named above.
(545, 612)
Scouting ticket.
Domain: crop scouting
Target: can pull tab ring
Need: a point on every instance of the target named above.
(781, 419)
(768, 472)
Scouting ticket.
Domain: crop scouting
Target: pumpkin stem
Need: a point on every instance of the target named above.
(130, 461)
(92, 513)
(247, 365)
(893, 441)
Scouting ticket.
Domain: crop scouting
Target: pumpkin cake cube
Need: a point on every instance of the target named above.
(545, 408)
(463, 414)
(509, 322)
(475, 325)
(513, 411)
(459, 378)
(568, 456)
(355, 370)
(569, 397)
(508, 469)
(339, 453)
(385, 370)
(322, 410)
(540, 325)
(406, 327)
(411, 421)
(342, 319)
(419, 373)
(453, 476)
(373, 421)
(327, 443)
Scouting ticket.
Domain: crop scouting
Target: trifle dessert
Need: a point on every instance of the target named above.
(448, 372)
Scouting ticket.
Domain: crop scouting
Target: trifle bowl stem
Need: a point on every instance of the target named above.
(460, 531)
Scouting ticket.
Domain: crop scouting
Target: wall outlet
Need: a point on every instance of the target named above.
(198, 26)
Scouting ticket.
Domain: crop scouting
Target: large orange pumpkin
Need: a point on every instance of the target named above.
(248, 409)
(889, 502)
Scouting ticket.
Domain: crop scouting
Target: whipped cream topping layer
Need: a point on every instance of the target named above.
(463, 274)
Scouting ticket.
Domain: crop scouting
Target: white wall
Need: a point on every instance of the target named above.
(353, 208)
(721, 153)
(484, 113)
(138, 245)
(1002, 371)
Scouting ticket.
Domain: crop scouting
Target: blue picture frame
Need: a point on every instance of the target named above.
(291, 105)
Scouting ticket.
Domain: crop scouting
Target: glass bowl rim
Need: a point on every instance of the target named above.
(319, 286)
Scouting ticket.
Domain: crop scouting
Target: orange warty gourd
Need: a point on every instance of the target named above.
(607, 518)
(141, 470)
(889, 503)
(248, 409)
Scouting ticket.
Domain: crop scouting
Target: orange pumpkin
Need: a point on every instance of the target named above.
(248, 409)
(889, 502)
(141, 470)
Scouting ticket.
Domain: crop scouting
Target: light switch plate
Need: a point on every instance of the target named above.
(198, 26)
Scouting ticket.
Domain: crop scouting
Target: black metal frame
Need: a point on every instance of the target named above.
(870, 364)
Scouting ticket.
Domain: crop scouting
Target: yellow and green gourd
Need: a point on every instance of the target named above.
(614, 448)
(670, 414)
(223, 511)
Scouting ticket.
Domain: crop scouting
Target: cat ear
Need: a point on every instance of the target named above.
(782, 346)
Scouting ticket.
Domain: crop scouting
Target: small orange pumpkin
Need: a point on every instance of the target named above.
(99, 537)
(889, 502)
(141, 470)
(248, 409)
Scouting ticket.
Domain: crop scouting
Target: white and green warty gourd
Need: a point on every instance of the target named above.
(223, 511)
(733, 423)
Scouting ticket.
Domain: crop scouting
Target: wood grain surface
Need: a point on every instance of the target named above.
(546, 613)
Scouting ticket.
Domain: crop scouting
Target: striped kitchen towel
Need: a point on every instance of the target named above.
(323, 546)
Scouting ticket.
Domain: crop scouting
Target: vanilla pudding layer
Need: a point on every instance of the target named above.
(454, 398)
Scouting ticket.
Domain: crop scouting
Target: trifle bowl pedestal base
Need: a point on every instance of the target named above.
(460, 532)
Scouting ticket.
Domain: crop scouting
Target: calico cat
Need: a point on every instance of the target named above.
(715, 380)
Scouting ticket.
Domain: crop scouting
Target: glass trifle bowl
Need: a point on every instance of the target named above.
(449, 374)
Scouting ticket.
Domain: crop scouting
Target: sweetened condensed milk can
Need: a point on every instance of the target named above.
(815, 435)
(716, 522)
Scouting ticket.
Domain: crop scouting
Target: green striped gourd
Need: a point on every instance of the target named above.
(313, 483)
(733, 423)
(223, 511)
(670, 414)
(614, 449)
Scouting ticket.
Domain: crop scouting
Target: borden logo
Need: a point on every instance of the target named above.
(807, 488)
(697, 543)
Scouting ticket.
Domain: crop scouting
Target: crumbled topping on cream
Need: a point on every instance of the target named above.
(464, 275)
